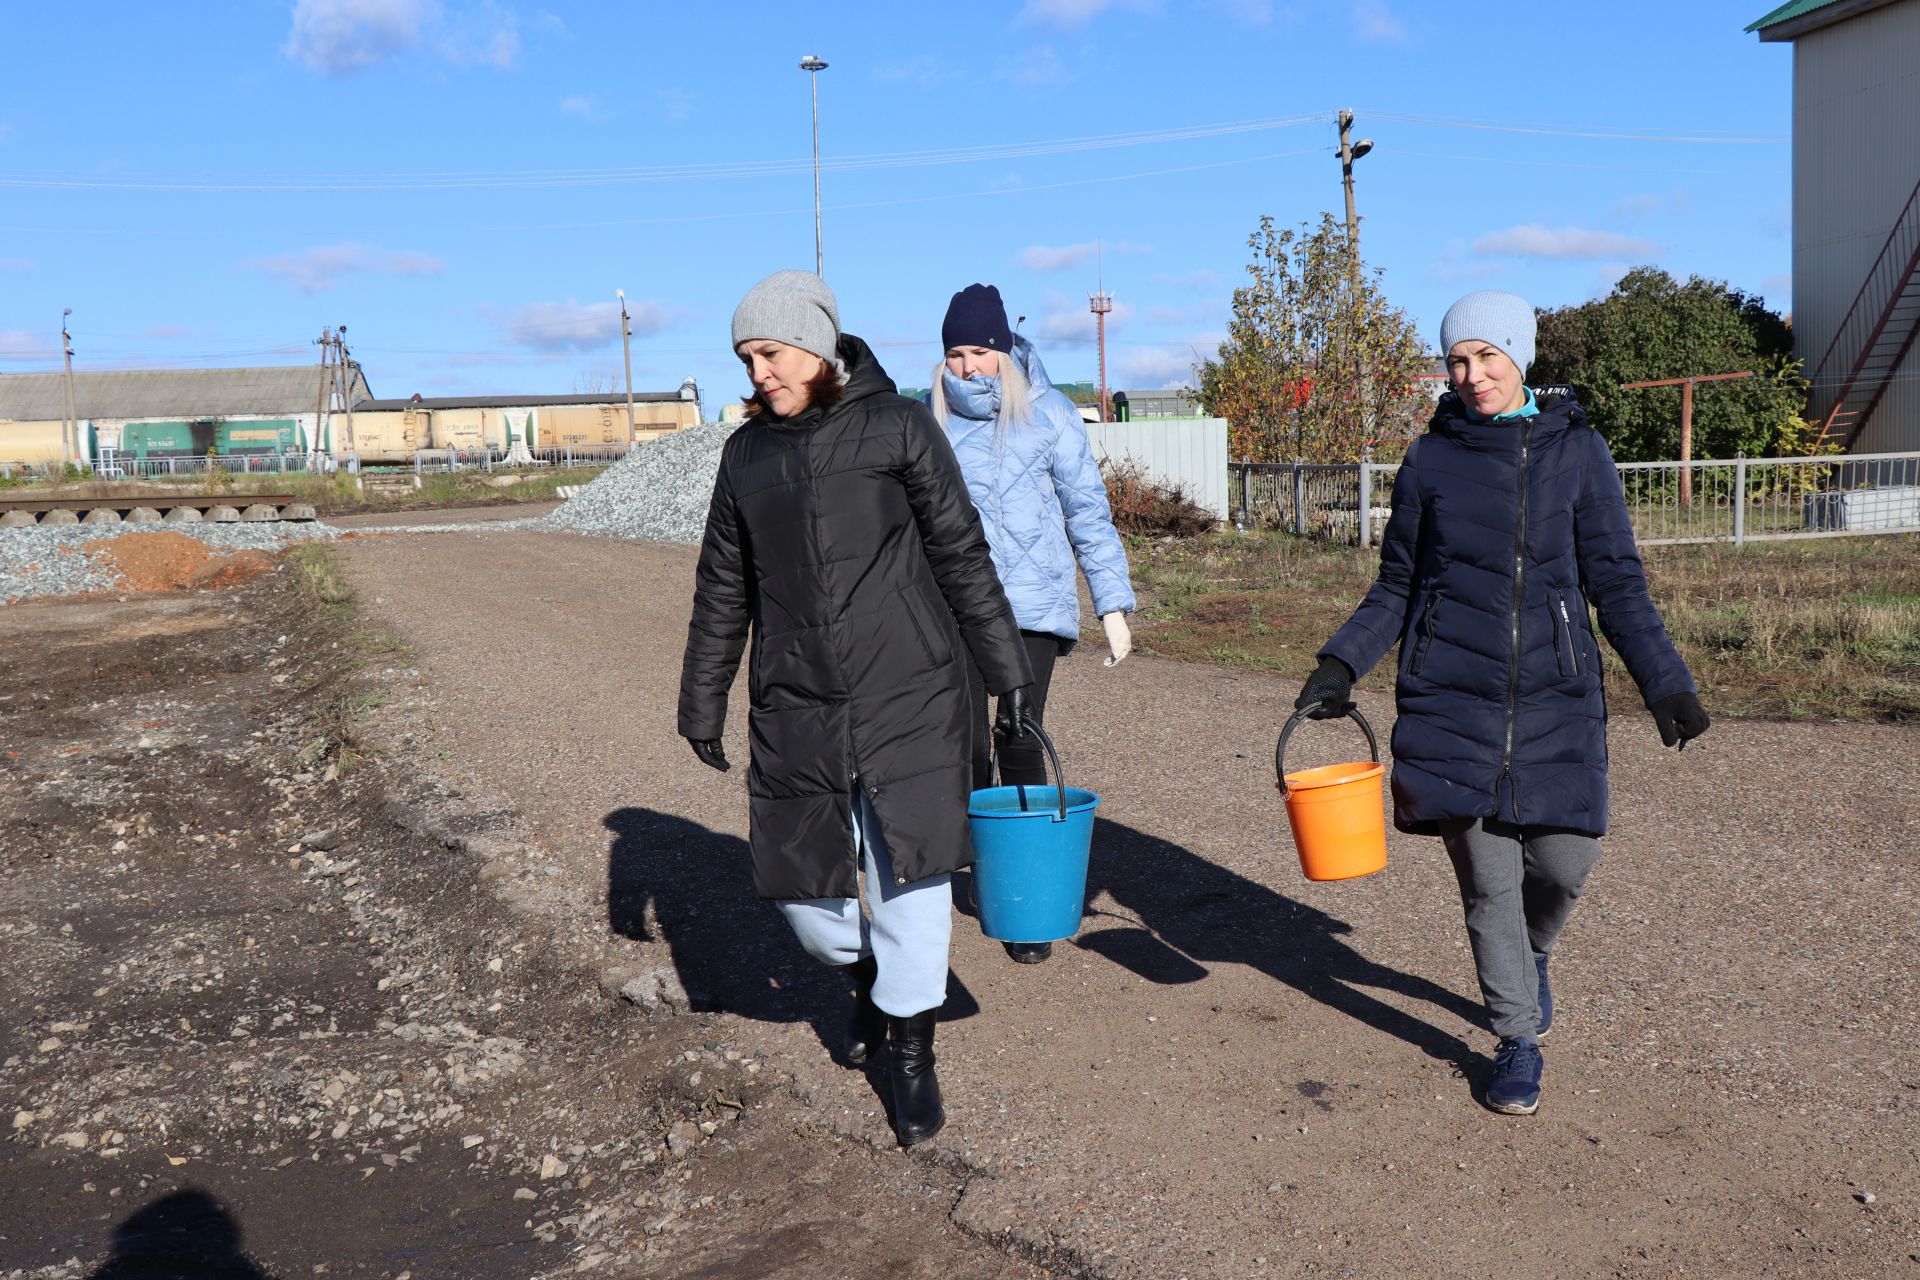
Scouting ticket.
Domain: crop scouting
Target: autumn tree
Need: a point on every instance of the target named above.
(1316, 364)
(1652, 326)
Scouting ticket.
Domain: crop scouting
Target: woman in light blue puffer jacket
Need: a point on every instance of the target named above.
(1043, 503)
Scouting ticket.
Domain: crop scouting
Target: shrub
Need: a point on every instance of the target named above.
(1142, 504)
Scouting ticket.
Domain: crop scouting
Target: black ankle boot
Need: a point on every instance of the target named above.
(866, 1026)
(917, 1113)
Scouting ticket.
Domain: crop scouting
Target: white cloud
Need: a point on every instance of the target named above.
(1213, 311)
(1566, 244)
(1066, 321)
(167, 332)
(6, 131)
(25, 344)
(320, 268)
(1046, 257)
(1373, 21)
(575, 105)
(1155, 367)
(1635, 208)
(1035, 68)
(1070, 15)
(339, 37)
(1778, 291)
(1252, 13)
(572, 326)
(676, 104)
(16, 264)
(925, 72)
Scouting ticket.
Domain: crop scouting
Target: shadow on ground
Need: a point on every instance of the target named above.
(1178, 913)
(187, 1235)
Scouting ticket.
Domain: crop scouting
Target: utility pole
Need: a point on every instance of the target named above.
(1686, 418)
(346, 382)
(1349, 152)
(317, 445)
(71, 438)
(1100, 304)
(626, 349)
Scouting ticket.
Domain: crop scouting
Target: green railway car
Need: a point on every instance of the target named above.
(202, 436)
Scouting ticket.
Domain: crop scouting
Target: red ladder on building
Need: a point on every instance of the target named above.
(1876, 335)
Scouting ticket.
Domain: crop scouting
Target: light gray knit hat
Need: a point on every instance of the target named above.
(1504, 319)
(794, 307)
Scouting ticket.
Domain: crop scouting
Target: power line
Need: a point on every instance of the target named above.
(1603, 132)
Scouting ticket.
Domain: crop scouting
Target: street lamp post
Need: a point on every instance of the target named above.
(813, 64)
(1349, 152)
(626, 349)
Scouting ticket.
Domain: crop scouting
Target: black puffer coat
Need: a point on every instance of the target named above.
(846, 538)
(1502, 534)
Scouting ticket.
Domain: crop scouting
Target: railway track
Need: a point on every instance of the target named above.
(153, 508)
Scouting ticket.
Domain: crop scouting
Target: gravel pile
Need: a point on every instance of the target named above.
(48, 561)
(660, 491)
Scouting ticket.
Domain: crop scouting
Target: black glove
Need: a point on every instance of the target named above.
(1681, 719)
(1330, 686)
(1012, 722)
(710, 753)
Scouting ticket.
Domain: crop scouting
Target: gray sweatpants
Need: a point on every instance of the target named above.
(1518, 885)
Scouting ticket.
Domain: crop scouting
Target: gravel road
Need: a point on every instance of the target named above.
(1235, 1072)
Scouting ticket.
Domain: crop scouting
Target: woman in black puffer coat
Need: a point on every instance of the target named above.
(1508, 523)
(842, 541)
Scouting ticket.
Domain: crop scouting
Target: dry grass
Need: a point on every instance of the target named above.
(1803, 630)
(338, 494)
(1146, 506)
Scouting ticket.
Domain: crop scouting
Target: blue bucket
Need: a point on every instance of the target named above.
(1030, 847)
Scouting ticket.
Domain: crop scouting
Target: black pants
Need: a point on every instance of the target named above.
(1021, 763)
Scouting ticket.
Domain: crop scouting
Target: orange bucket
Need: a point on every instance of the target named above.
(1339, 826)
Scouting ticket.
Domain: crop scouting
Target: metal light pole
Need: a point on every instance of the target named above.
(813, 64)
(626, 332)
(72, 435)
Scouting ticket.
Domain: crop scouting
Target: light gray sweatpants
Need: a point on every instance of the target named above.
(908, 936)
(1518, 885)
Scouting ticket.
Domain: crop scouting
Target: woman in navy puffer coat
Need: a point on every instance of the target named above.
(1043, 503)
(1508, 524)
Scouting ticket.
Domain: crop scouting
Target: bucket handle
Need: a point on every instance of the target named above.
(1293, 722)
(1059, 778)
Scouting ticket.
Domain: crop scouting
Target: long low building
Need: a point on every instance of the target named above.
(182, 413)
(383, 430)
(165, 413)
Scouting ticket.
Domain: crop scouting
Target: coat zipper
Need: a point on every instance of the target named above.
(1519, 596)
(1573, 651)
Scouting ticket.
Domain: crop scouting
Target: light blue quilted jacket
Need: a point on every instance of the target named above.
(1041, 499)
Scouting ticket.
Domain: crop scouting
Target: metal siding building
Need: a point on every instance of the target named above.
(1856, 170)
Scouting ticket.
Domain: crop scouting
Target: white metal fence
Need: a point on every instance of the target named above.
(1737, 500)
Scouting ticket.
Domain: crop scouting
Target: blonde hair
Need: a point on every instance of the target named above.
(1016, 395)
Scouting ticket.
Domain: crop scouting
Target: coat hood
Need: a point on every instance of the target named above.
(979, 398)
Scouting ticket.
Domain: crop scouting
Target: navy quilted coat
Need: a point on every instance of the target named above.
(842, 541)
(1503, 534)
(1042, 499)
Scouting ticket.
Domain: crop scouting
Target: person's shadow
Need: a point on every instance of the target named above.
(1191, 913)
(673, 880)
(187, 1235)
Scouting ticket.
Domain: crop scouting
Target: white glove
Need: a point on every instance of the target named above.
(1119, 638)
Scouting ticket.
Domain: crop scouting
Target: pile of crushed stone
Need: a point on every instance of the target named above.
(659, 492)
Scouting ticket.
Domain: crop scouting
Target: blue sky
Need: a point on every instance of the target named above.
(465, 183)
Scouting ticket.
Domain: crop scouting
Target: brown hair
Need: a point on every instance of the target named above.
(823, 390)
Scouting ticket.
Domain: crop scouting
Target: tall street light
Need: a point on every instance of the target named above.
(1349, 152)
(813, 65)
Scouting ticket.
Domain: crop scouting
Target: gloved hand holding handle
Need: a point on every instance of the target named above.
(710, 752)
(1329, 690)
(1012, 722)
(1680, 719)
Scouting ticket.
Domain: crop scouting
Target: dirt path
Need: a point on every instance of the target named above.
(443, 515)
(268, 1021)
(1235, 1072)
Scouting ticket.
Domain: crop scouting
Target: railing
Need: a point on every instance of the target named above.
(1876, 332)
(1737, 500)
(121, 467)
(432, 461)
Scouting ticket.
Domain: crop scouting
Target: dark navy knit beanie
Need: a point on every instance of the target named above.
(977, 318)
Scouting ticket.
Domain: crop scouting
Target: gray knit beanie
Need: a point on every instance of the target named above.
(794, 307)
(1503, 319)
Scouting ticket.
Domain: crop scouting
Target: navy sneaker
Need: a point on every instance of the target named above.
(1546, 997)
(1515, 1087)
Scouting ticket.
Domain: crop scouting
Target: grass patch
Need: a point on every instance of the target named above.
(322, 613)
(1821, 629)
(340, 493)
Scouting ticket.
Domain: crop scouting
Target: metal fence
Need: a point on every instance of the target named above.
(432, 461)
(119, 467)
(1737, 500)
